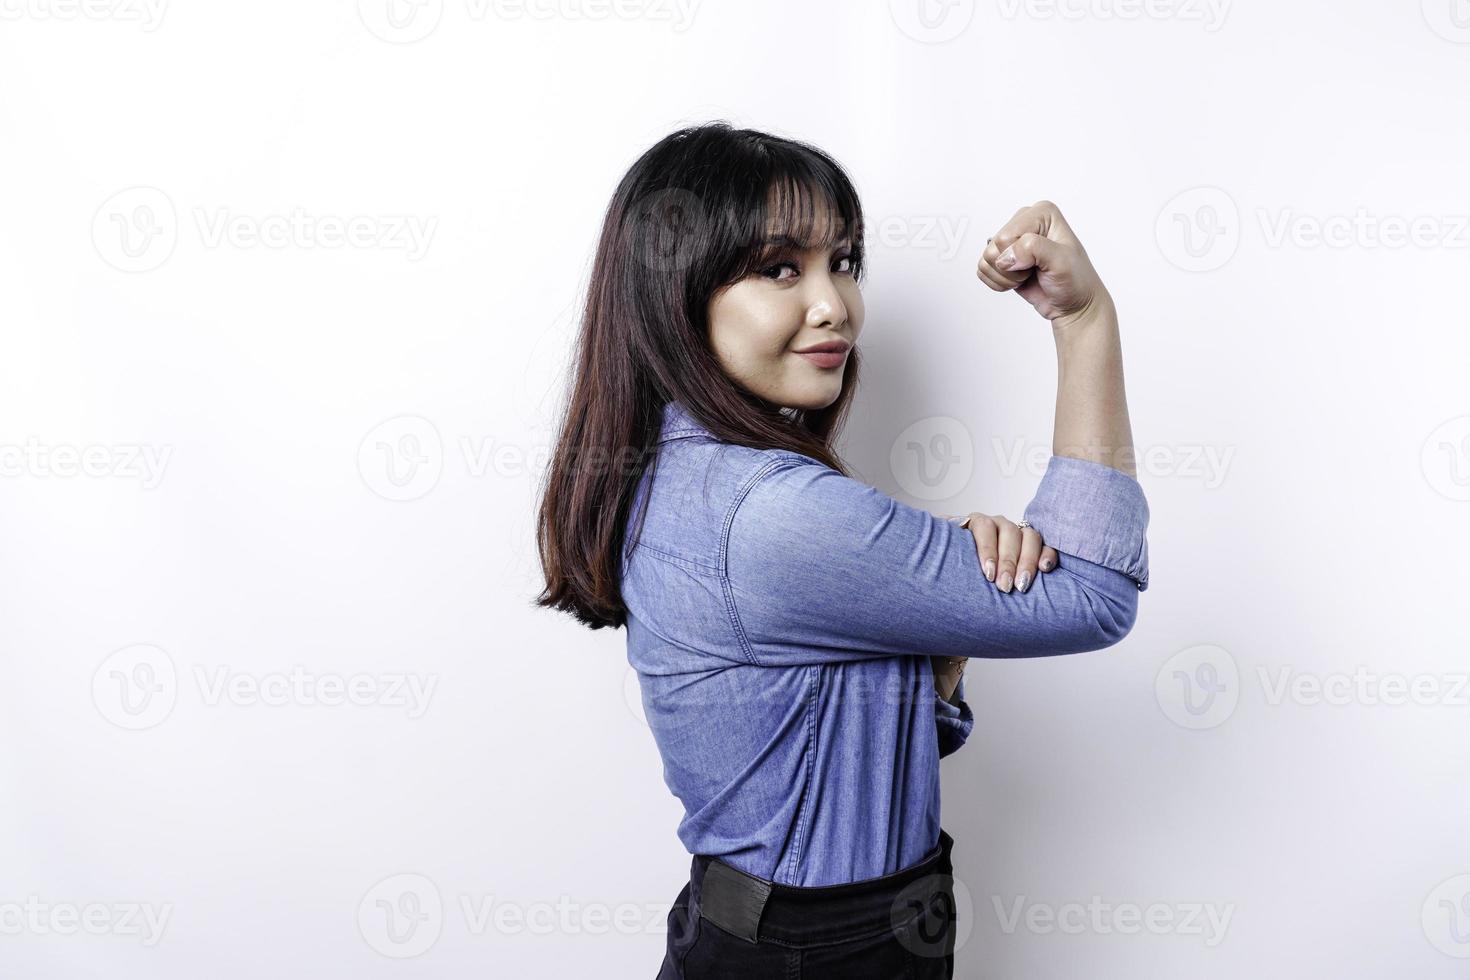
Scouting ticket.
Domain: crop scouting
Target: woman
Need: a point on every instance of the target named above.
(798, 635)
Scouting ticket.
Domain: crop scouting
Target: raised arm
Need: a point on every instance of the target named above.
(1037, 254)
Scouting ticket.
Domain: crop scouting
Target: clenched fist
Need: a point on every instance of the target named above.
(1037, 255)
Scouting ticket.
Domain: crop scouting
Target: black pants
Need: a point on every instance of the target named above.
(726, 923)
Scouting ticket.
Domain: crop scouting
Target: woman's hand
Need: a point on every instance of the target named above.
(1009, 553)
(1037, 255)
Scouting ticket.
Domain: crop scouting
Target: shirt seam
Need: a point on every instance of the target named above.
(722, 565)
(689, 563)
(793, 860)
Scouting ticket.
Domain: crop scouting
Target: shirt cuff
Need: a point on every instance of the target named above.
(1095, 512)
(953, 721)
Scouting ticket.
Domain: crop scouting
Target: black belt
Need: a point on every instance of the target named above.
(753, 908)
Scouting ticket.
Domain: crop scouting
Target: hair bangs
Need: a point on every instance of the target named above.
(804, 205)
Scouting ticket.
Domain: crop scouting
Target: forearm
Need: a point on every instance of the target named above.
(1092, 409)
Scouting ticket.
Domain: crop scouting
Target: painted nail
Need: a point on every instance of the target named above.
(1006, 259)
(1046, 565)
(990, 569)
(1005, 581)
(1023, 580)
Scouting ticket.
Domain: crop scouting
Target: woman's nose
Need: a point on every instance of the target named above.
(826, 307)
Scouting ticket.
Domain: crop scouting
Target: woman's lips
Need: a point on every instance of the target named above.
(826, 359)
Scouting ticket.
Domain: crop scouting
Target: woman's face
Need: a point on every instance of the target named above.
(800, 299)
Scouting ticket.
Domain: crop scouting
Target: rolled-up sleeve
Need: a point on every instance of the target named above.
(1107, 530)
(954, 722)
(820, 567)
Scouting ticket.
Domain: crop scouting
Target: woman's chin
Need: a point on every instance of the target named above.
(813, 400)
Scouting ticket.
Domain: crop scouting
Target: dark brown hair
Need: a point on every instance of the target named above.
(693, 215)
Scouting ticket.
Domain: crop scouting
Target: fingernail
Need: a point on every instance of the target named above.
(1006, 260)
(990, 569)
(1005, 581)
(1046, 565)
(1023, 580)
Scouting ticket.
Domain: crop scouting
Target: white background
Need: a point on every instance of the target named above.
(345, 440)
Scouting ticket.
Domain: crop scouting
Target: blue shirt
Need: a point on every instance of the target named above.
(781, 616)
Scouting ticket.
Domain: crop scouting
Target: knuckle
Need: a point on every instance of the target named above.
(1046, 205)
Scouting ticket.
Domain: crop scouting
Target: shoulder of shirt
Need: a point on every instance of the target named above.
(698, 484)
(737, 467)
(687, 450)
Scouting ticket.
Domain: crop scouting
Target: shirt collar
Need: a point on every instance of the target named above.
(678, 423)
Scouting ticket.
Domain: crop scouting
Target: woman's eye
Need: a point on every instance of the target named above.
(843, 266)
